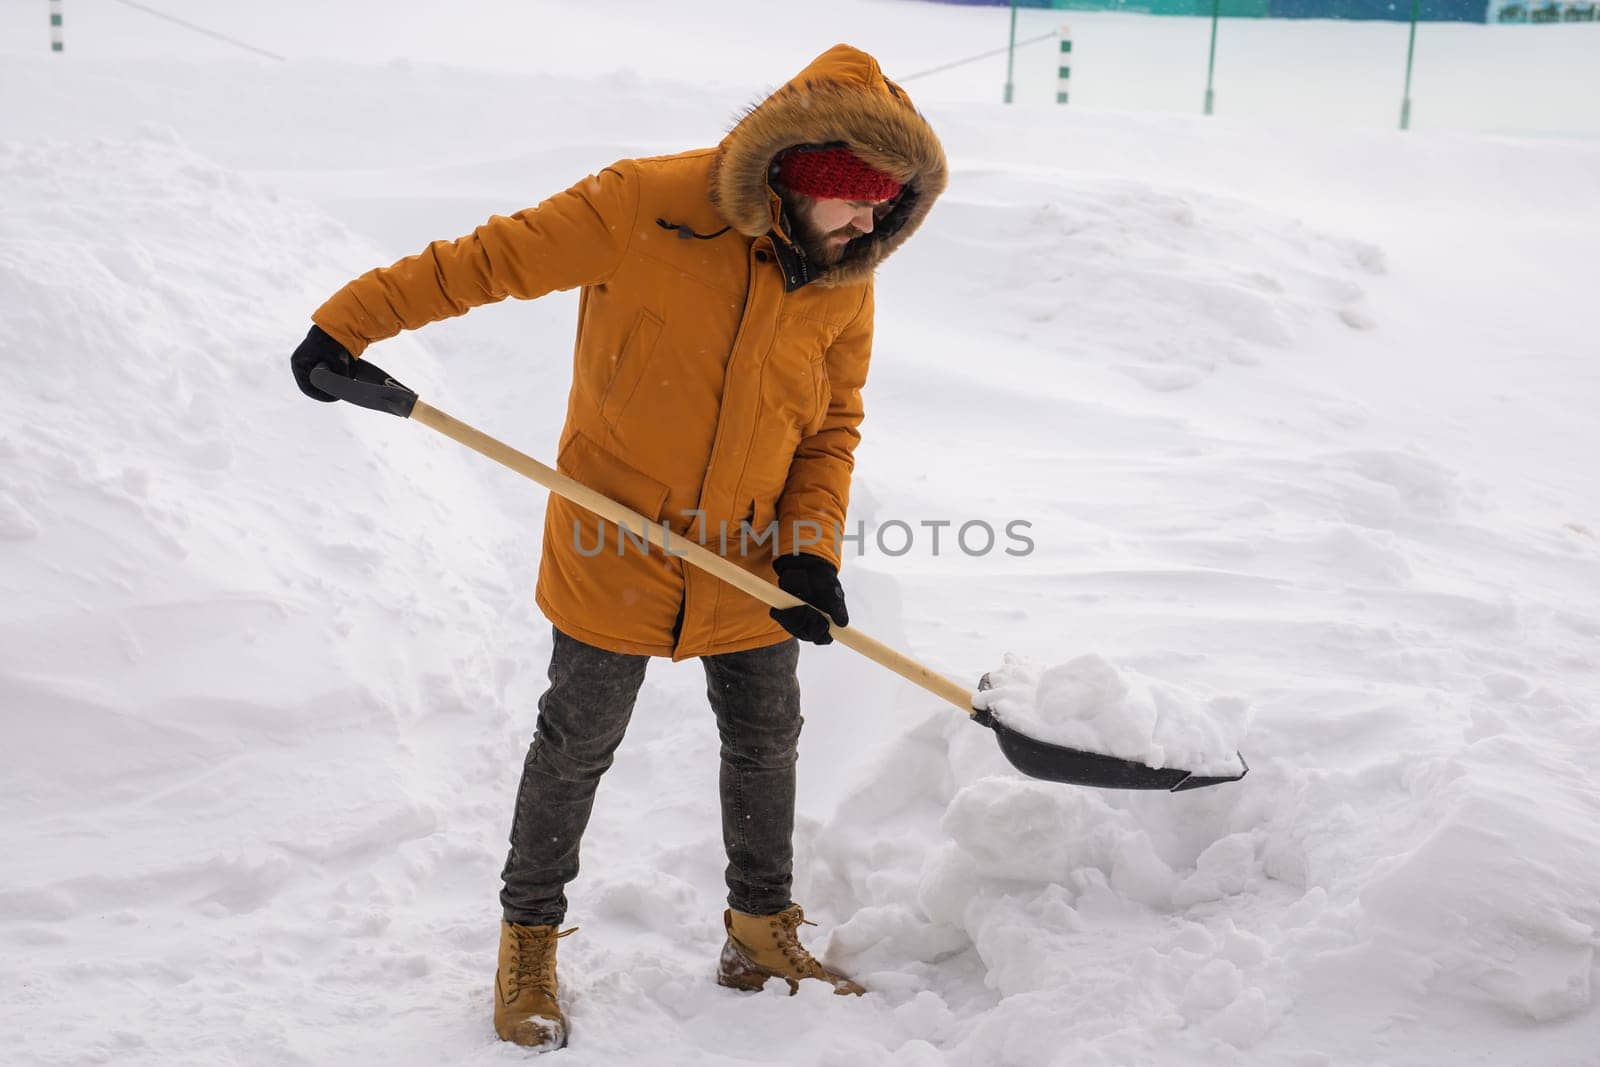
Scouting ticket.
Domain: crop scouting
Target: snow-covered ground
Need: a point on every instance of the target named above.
(1299, 414)
(1511, 79)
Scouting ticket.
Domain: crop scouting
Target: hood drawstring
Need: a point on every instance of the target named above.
(686, 232)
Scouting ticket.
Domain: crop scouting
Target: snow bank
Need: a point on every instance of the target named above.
(232, 620)
(164, 486)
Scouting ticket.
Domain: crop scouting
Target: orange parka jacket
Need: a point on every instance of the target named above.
(717, 373)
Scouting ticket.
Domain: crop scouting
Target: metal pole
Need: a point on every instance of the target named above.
(1411, 51)
(55, 26)
(1011, 52)
(1211, 68)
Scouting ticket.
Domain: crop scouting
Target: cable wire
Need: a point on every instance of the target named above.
(981, 55)
(201, 29)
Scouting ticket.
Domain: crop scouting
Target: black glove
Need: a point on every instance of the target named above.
(816, 581)
(317, 348)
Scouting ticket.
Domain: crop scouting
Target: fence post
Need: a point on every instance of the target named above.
(1011, 51)
(1064, 71)
(1411, 51)
(1211, 66)
(55, 26)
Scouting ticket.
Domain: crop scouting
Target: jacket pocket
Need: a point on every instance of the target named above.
(823, 396)
(632, 363)
(598, 469)
(796, 379)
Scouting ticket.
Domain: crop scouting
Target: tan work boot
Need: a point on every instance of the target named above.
(525, 1008)
(768, 946)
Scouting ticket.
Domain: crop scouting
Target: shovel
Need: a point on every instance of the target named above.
(371, 387)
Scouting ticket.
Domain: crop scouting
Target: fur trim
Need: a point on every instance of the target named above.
(861, 109)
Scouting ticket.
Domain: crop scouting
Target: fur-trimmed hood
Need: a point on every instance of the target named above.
(842, 97)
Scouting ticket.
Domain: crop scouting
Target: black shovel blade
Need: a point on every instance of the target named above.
(1057, 763)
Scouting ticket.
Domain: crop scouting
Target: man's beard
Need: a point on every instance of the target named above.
(818, 248)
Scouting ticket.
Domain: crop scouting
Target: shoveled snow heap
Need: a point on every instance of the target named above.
(1091, 704)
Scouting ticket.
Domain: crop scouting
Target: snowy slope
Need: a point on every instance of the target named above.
(1297, 416)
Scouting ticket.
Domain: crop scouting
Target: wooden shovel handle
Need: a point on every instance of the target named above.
(697, 554)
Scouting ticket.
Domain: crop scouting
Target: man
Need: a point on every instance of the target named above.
(724, 330)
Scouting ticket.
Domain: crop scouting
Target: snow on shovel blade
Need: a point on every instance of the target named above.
(1056, 763)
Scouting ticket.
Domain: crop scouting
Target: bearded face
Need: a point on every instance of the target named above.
(825, 228)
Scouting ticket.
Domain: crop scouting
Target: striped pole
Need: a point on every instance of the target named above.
(1064, 69)
(55, 26)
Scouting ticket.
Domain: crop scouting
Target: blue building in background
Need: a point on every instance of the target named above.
(1393, 10)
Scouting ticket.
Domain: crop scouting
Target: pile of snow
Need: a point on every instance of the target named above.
(1016, 919)
(1089, 704)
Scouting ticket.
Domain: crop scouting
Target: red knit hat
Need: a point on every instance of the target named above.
(834, 174)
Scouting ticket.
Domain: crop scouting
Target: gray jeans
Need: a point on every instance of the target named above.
(582, 717)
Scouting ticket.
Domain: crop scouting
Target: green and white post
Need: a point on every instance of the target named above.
(1064, 68)
(55, 26)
